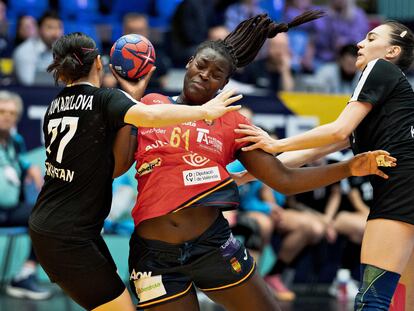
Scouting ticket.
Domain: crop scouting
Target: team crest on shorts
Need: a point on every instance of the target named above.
(235, 264)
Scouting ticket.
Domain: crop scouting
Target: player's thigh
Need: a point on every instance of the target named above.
(122, 302)
(387, 244)
(250, 295)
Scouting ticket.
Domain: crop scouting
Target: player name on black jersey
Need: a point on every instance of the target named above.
(64, 103)
(54, 172)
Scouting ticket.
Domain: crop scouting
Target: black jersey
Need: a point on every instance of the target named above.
(79, 129)
(390, 123)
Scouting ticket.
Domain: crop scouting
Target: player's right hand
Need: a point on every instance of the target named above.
(219, 105)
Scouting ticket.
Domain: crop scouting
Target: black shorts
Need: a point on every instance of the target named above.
(160, 272)
(394, 197)
(84, 269)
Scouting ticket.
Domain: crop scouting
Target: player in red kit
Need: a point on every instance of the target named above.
(181, 239)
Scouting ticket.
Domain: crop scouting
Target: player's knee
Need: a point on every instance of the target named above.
(317, 231)
(376, 290)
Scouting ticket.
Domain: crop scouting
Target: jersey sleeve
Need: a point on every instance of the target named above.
(377, 81)
(116, 105)
(155, 98)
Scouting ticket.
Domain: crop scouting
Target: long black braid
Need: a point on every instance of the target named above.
(241, 46)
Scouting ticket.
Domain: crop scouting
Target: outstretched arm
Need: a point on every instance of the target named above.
(301, 157)
(294, 159)
(161, 115)
(322, 135)
(286, 180)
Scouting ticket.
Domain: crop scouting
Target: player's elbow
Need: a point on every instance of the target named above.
(141, 116)
(338, 133)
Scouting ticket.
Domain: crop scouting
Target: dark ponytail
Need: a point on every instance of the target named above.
(241, 46)
(403, 37)
(73, 57)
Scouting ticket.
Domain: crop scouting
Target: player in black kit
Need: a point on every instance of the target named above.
(380, 115)
(80, 128)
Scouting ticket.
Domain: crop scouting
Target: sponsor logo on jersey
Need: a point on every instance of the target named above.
(201, 176)
(412, 131)
(190, 123)
(147, 167)
(147, 287)
(235, 264)
(153, 130)
(157, 144)
(208, 141)
(194, 159)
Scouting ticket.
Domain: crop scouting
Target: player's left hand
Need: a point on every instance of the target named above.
(367, 163)
(258, 138)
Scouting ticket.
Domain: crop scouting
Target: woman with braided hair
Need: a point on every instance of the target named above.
(181, 239)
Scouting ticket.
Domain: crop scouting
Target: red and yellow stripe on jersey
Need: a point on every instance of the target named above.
(184, 165)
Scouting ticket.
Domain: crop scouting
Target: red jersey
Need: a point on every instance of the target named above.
(185, 165)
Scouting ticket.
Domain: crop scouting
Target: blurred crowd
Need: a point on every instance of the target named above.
(316, 57)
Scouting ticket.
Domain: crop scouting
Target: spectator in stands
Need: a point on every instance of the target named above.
(274, 72)
(340, 76)
(298, 228)
(241, 11)
(14, 211)
(4, 24)
(345, 23)
(26, 28)
(264, 206)
(190, 25)
(33, 56)
(351, 224)
(5, 46)
(303, 39)
(218, 32)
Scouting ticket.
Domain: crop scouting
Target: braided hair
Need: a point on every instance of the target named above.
(241, 46)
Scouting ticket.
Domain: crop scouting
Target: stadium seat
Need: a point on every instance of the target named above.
(10, 233)
(164, 10)
(122, 7)
(84, 27)
(79, 10)
(35, 8)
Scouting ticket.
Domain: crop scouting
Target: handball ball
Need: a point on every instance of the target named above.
(132, 56)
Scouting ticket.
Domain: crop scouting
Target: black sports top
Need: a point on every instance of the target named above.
(79, 129)
(390, 123)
